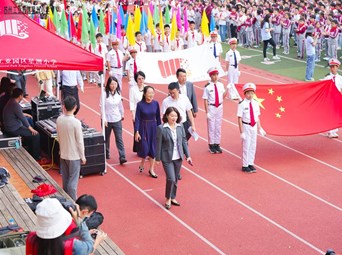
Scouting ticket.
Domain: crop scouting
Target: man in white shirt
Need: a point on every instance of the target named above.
(71, 145)
(69, 81)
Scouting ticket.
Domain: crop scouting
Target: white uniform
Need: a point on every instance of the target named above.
(177, 44)
(140, 46)
(233, 73)
(249, 143)
(338, 82)
(100, 50)
(167, 43)
(115, 66)
(192, 38)
(216, 49)
(156, 42)
(214, 113)
(130, 69)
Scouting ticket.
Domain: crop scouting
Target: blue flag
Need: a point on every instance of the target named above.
(95, 18)
(113, 23)
(212, 23)
(143, 24)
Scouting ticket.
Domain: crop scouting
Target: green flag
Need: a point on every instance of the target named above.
(102, 29)
(167, 15)
(64, 25)
(92, 34)
(156, 14)
(56, 21)
(85, 24)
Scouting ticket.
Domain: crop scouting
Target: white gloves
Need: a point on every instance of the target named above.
(262, 132)
(243, 136)
(82, 89)
(208, 115)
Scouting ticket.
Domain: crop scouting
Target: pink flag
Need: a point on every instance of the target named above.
(186, 22)
(118, 27)
(179, 20)
(151, 7)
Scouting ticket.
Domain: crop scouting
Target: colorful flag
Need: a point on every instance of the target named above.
(94, 18)
(92, 34)
(143, 25)
(179, 19)
(173, 28)
(212, 23)
(205, 24)
(118, 27)
(167, 15)
(50, 14)
(85, 27)
(64, 25)
(121, 13)
(71, 26)
(186, 22)
(137, 19)
(151, 8)
(300, 108)
(130, 31)
(150, 25)
(56, 21)
(114, 18)
(102, 28)
(79, 28)
(49, 25)
(156, 15)
(161, 25)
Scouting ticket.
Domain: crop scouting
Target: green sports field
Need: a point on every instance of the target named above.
(288, 65)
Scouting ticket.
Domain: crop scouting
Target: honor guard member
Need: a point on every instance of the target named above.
(139, 45)
(214, 46)
(132, 67)
(333, 75)
(233, 59)
(69, 81)
(100, 50)
(213, 95)
(248, 113)
(115, 60)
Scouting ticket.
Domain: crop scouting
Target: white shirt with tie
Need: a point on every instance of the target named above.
(233, 72)
(113, 61)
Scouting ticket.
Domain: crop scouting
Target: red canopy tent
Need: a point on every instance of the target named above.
(27, 45)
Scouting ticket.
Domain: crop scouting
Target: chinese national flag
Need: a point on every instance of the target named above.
(299, 108)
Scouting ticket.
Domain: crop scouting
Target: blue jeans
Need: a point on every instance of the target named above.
(223, 32)
(310, 67)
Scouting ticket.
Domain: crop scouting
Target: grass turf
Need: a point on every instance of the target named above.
(288, 65)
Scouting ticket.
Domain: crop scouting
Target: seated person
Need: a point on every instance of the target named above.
(15, 124)
(60, 232)
(5, 97)
(88, 206)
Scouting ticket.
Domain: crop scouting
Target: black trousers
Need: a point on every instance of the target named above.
(71, 91)
(266, 42)
(29, 140)
(233, 31)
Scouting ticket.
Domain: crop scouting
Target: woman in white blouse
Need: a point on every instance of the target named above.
(135, 96)
(113, 116)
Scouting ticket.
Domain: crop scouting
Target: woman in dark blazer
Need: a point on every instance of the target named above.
(170, 150)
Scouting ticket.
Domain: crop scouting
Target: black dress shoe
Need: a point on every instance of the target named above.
(179, 177)
(245, 169)
(252, 168)
(122, 161)
(152, 175)
(107, 157)
(175, 203)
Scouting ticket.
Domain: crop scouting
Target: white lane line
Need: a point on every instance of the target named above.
(192, 230)
(232, 197)
(263, 169)
(127, 163)
(256, 212)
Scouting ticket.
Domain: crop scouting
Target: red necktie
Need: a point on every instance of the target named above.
(167, 39)
(135, 68)
(89, 47)
(251, 114)
(217, 101)
(100, 48)
(158, 37)
(193, 35)
(177, 43)
(139, 46)
(118, 59)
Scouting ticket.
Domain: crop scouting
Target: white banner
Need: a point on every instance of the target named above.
(161, 67)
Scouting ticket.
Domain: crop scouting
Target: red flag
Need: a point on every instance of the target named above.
(107, 21)
(300, 108)
(72, 27)
(79, 28)
(50, 26)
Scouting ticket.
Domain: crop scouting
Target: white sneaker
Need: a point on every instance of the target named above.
(276, 57)
(266, 59)
(332, 135)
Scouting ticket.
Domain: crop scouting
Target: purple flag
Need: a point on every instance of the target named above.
(179, 20)
(186, 22)
(151, 7)
(118, 27)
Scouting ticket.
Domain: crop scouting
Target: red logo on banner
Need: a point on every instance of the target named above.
(169, 67)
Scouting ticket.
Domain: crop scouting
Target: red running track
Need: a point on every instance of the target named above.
(292, 205)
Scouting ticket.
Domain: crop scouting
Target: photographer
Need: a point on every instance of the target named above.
(88, 207)
(59, 232)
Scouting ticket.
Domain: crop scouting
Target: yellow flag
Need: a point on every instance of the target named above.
(137, 19)
(130, 31)
(173, 27)
(150, 25)
(161, 25)
(205, 24)
(50, 14)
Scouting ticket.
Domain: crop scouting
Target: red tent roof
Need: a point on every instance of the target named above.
(27, 45)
